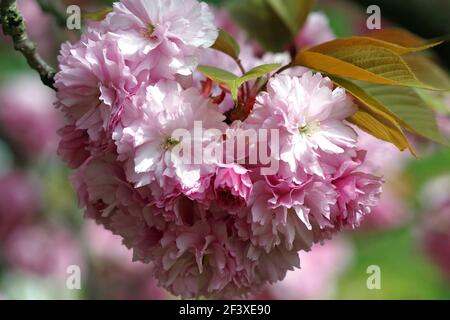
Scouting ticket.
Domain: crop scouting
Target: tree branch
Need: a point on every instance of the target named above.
(14, 26)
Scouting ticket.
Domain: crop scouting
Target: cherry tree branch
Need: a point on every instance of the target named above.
(14, 26)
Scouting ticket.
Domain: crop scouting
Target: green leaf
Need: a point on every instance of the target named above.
(223, 77)
(340, 47)
(273, 23)
(428, 72)
(375, 118)
(292, 12)
(394, 108)
(413, 112)
(233, 81)
(379, 66)
(380, 128)
(258, 72)
(227, 44)
(217, 74)
(398, 36)
(373, 60)
(98, 15)
(436, 100)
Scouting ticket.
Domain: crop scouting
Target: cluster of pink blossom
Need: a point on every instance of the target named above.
(219, 224)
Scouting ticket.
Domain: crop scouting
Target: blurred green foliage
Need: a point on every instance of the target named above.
(10, 62)
(405, 271)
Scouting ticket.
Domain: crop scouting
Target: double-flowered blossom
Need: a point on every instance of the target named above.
(93, 83)
(309, 116)
(232, 186)
(148, 136)
(162, 37)
(148, 139)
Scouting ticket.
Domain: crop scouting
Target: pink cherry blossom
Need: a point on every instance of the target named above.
(196, 258)
(103, 189)
(145, 138)
(148, 138)
(194, 251)
(93, 83)
(358, 193)
(310, 116)
(207, 256)
(232, 187)
(269, 222)
(162, 37)
(113, 202)
(73, 147)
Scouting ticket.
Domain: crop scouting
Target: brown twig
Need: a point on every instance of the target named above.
(14, 26)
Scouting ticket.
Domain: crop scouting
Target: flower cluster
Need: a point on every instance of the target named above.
(150, 140)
